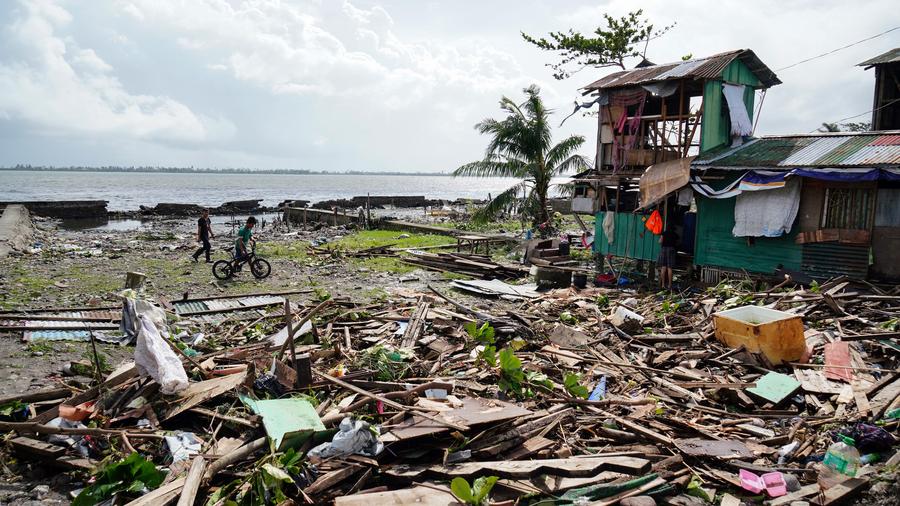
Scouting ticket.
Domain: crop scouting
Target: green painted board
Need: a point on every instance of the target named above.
(716, 246)
(775, 387)
(289, 422)
(631, 238)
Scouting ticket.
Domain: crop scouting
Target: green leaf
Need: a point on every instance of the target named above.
(489, 355)
(573, 385)
(276, 472)
(482, 488)
(487, 333)
(462, 491)
(517, 344)
(471, 329)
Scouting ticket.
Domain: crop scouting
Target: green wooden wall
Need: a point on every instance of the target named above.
(716, 124)
(632, 239)
(716, 246)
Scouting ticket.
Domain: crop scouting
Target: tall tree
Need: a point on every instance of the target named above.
(521, 146)
(622, 38)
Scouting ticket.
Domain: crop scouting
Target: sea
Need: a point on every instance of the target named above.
(126, 191)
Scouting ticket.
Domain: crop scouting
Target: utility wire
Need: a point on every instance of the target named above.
(867, 112)
(839, 49)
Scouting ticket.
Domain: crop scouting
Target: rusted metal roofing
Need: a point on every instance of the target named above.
(889, 57)
(701, 68)
(864, 149)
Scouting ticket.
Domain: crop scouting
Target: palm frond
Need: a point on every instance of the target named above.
(563, 150)
(505, 201)
(575, 163)
(492, 168)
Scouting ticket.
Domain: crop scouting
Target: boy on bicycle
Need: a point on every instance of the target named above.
(245, 235)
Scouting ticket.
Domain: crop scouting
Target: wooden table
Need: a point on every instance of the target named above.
(472, 242)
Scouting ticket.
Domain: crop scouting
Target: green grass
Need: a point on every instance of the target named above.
(365, 239)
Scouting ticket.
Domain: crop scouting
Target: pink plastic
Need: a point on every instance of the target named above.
(772, 483)
(751, 482)
(775, 485)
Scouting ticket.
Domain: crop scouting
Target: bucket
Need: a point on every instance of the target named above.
(563, 249)
(579, 279)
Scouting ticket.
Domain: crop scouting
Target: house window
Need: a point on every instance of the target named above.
(849, 208)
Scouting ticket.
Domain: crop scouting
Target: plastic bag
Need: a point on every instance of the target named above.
(153, 357)
(354, 437)
(654, 223)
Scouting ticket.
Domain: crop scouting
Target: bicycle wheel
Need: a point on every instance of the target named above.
(260, 268)
(222, 270)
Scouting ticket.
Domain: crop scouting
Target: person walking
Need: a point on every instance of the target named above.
(204, 234)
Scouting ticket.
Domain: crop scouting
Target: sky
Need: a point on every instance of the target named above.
(368, 85)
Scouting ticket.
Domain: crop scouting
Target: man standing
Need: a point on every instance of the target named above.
(204, 234)
(666, 261)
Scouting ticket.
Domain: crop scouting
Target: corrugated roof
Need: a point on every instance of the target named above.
(889, 57)
(699, 68)
(864, 149)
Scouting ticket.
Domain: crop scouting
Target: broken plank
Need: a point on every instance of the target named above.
(420, 495)
(328, 480)
(580, 467)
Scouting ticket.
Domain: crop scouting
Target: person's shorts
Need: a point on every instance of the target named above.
(666, 257)
(237, 253)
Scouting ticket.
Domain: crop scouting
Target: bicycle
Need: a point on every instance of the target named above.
(225, 269)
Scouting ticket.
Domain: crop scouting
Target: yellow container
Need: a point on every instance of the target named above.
(775, 334)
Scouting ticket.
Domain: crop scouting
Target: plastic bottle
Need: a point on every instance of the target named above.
(840, 463)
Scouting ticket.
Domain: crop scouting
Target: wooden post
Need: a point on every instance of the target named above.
(288, 317)
(335, 215)
(304, 217)
(680, 114)
(98, 373)
(193, 481)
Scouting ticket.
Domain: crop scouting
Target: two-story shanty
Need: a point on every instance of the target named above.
(815, 205)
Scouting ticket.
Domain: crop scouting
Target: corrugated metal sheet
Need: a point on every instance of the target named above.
(823, 150)
(265, 299)
(827, 260)
(886, 140)
(889, 57)
(702, 68)
(220, 304)
(809, 154)
(874, 155)
(57, 335)
(190, 307)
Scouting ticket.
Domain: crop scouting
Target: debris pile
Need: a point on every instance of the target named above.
(593, 396)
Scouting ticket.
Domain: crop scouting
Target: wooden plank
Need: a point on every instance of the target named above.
(330, 479)
(192, 482)
(797, 495)
(884, 398)
(517, 469)
(432, 495)
(530, 447)
(202, 391)
(36, 449)
(842, 492)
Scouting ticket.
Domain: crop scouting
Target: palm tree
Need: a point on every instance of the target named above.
(521, 147)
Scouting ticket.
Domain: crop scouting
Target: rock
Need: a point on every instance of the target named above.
(40, 491)
(793, 484)
(641, 500)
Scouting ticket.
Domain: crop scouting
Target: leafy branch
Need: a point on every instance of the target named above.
(608, 47)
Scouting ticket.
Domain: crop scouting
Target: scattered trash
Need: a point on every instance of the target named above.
(354, 437)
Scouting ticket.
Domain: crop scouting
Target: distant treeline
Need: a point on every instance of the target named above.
(196, 170)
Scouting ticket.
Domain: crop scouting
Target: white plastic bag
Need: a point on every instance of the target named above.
(354, 437)
(153, 357)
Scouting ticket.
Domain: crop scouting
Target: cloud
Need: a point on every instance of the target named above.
(57, 87)
(329, 49)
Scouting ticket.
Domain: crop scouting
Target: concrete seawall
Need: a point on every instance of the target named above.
(16, 230)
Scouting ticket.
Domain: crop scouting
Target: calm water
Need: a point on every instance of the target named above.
(127, 191)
